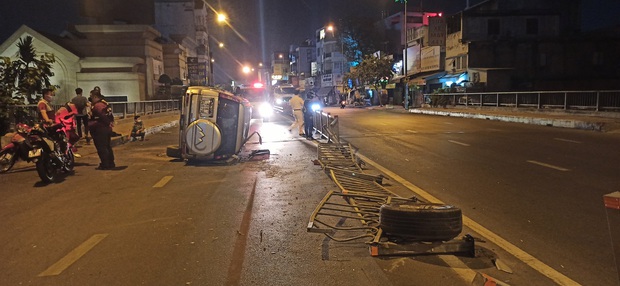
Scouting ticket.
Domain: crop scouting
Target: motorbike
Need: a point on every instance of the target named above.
(343, 104)
(15, 149)
(46, 146)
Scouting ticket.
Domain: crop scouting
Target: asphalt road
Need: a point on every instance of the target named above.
(540, 188)
(162, 222)
(159, 221)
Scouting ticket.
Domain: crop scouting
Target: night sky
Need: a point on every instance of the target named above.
(286, 22)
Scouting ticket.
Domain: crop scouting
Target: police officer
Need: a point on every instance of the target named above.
(309, 115)
(297, 103)
(100, 126)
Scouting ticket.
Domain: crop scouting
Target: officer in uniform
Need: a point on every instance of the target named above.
(100, 126)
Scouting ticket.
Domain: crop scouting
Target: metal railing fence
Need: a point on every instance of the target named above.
(608, 100)
(326, 125)
(29, 114)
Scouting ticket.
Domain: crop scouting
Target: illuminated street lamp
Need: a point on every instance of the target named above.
(246, 69)
(221, 45)
(221, 18)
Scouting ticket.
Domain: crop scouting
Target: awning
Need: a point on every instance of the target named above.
(324, 91)
(397, 78)
(422, 79)
(435, 76)
(453, 75)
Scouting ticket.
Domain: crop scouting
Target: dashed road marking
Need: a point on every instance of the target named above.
(73, 256)
(411, 131)
(459, 143)
(548, 165)
(466, 274)
(162, 182)
(568, 140)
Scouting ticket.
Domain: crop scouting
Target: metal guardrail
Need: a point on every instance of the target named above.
(29, 113)
(608, 100)
(327, 126)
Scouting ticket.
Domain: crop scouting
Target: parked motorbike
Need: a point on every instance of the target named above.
(51, 152)
(45, 145)
(16, 149)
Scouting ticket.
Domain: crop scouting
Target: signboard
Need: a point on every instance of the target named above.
(431, 58)
(327, 80)
(454, 47)
(197, 71)
(436, 31)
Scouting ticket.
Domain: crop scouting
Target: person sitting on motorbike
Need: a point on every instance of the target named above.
(46, 111)
(65, 116)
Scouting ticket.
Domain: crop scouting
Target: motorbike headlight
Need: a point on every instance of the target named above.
(315, 106)
(279, 101)
(265, 110)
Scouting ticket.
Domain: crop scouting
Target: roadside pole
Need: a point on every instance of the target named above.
(612, 206)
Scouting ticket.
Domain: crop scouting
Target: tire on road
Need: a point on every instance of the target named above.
(421, 221)
(173, 151)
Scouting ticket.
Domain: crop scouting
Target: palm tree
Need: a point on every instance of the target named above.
(27, 75)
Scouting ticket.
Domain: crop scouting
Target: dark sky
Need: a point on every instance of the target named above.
(286, 21)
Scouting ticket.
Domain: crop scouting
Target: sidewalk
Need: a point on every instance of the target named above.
(608, 122)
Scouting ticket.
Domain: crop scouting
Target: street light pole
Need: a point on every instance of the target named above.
(406, 93)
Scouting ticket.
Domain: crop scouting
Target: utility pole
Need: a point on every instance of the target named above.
(406, 93)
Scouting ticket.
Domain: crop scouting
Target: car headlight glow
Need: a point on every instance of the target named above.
(265, 110)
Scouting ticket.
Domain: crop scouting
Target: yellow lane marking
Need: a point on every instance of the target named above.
(526, 258)
(459, 143)
(162, 182)
(73, 256)
(548, 165)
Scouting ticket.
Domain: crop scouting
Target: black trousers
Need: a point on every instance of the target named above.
(308, 125)
(102, 139)
(82, 119)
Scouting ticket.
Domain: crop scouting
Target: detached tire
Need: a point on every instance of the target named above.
(173, 151)
(421, 221)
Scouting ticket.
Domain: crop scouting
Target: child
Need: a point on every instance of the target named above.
(138, 129)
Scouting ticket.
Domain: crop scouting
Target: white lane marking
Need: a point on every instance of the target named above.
(528, 259)
(411, 131)
(73, 256)
(548, 165)
(568, 140)
(162, 182)
(459, 143)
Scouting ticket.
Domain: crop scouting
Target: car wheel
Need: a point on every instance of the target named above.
(421, 221)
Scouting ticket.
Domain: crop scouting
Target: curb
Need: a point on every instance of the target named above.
(563, 123)
(118, 140)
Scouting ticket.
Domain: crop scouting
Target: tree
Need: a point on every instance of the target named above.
(27, 75)
(24, 77)
(373, 71)
(360, 38)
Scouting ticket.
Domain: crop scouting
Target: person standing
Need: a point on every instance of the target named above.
(100, 125)
(82, 113)
(297, 103)
(309, 116)
(46, 111)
